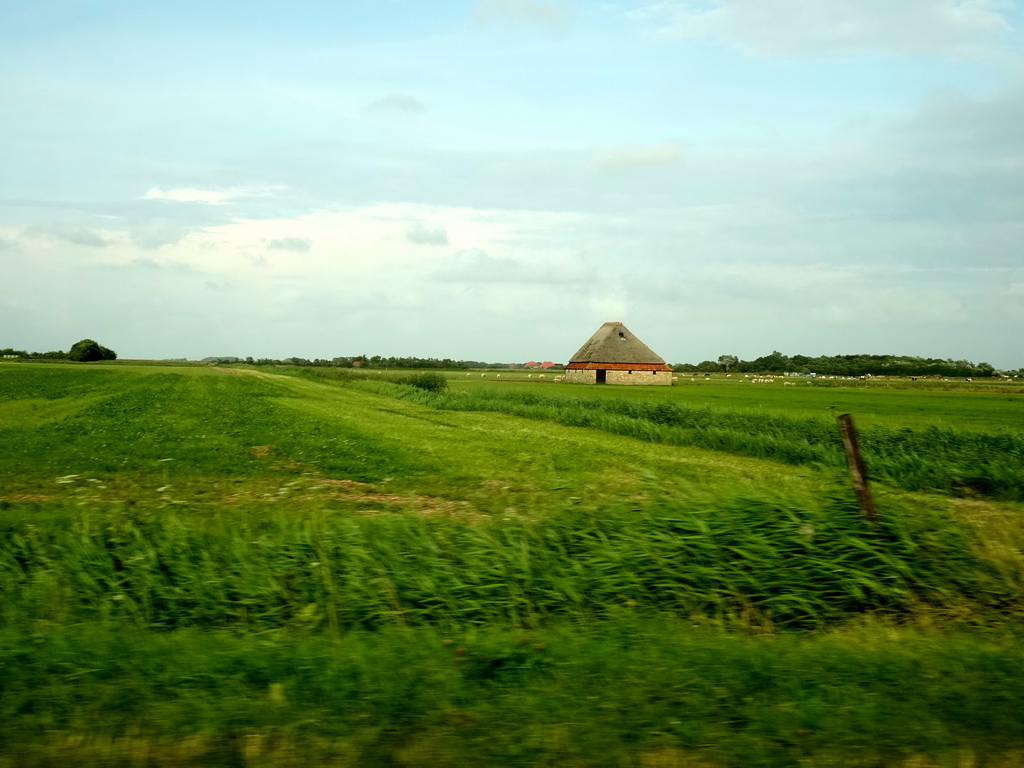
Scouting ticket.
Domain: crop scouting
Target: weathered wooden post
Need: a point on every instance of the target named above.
(856, 462)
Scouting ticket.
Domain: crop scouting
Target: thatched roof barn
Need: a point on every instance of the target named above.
(614, 355)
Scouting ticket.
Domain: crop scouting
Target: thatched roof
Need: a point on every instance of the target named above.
(613, 346)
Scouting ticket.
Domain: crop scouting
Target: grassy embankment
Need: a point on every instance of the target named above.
(207, 567)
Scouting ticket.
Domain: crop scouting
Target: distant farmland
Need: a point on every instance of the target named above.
(212, 565)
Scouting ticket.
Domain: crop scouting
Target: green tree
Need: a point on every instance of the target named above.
(87, 351)
(776, 362)
(727, 361)
(986, 369)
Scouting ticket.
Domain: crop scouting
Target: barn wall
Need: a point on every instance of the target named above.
(576, 376)
(640, 377)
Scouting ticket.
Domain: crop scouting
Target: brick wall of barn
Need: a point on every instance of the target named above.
(640, 377)
(660, 378)
(576, 376)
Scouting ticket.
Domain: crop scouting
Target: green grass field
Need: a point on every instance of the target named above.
(206, 565)
(985, 406)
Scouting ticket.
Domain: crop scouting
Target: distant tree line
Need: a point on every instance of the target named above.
(88, 350)
(372, 361)
(23, 355)
(84, 351)
(842, 365)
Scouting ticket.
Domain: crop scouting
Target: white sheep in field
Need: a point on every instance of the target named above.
(497, 376)
(529, 375)
(558, 378)
(468, 375)
(482, 375)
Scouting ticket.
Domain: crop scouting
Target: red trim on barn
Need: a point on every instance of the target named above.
(617, 367)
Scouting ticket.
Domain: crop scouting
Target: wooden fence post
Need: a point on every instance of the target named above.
(856, 461)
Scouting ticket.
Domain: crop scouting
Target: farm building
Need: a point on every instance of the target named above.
(613, 355)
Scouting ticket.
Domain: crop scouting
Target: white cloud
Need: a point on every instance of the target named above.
(420, 234)
(784, 28)
(632, 156)
(762, 273)
(157, 233)
(474, 265)
(443, 171)
(838, 293)
(944, 185)
(208, 196)
(295, 244)
(524, 12)
(951, 125)
(397, 103)
(70, 234)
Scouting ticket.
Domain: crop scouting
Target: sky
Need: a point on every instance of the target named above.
(492, 180)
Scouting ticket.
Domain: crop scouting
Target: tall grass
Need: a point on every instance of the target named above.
(946, 460)
(630, 692)
(740, 560)
(430, 381)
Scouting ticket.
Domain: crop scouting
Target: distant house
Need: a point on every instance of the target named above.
(614, 355)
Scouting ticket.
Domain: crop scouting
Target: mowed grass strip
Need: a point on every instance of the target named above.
(946, 460)
(505, 464)
(210, 436)
(166, 427)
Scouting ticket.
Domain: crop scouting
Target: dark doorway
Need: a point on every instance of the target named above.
(601, 377)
